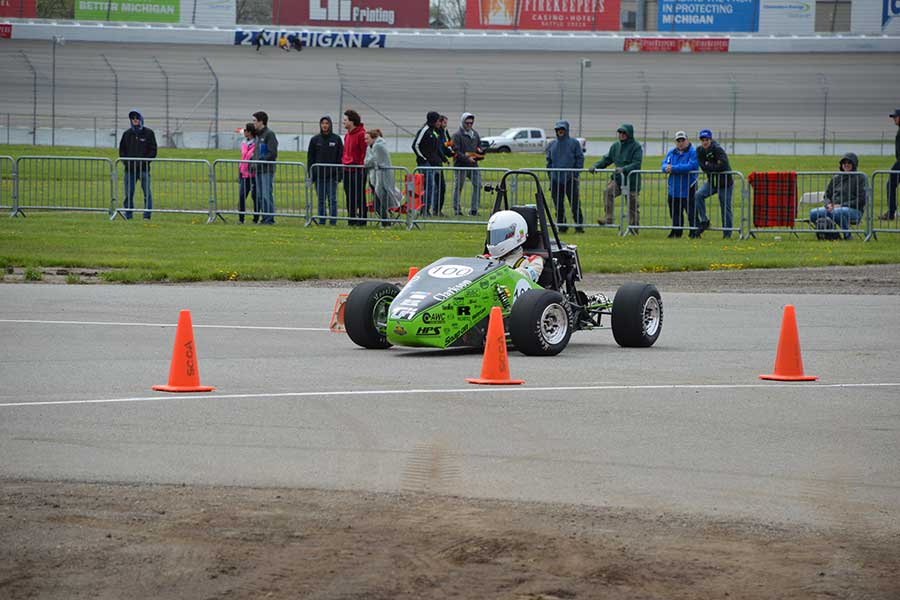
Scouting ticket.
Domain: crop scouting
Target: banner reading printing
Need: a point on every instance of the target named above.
(155, 11)
(708, 15)
(312, 39)
(351, 13)
(18, 9)
(566, 15)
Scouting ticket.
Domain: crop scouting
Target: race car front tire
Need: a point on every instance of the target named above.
(540, 323)
(366, 312)
(637, 315)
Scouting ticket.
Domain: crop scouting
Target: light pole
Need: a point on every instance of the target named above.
(585, 63)
(54, 41)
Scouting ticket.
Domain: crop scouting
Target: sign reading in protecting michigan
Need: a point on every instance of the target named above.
(708, 15)
(156, 11)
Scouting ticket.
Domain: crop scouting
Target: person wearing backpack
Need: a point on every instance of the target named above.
(845, 199)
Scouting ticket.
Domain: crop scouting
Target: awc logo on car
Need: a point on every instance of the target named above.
(449, 271)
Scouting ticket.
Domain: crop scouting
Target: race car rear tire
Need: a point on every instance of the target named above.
(366, 311)
(637, 315)
(540, 323)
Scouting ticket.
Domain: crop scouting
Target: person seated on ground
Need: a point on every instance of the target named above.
(296, 42)
(845, 197)
(506, 233)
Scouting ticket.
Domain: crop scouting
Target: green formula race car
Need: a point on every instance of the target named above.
(447, 303)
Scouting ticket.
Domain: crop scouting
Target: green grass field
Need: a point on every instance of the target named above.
(176, 247)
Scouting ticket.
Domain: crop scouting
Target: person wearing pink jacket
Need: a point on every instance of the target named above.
(247, 179)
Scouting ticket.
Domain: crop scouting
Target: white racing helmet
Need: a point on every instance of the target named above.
(506, 231)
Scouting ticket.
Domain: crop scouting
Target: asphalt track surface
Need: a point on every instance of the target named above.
(685, 426)
(772, 95)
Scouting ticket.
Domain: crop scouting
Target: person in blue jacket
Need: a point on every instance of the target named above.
(564, 159)
(681, 165)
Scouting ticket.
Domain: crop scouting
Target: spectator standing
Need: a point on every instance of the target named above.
(467, 145)
(137, 142)
(380, 175)
(429, 156)
(267, 151)
(681, 163)
(714, 162)
(565, 153)
(894, 178)
(845, 197)
(353, 157)
(258, 39)
(446, 146)
(325, 148)
(627, 155)
(247, 179)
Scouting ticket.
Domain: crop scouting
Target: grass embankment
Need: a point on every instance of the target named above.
(182, 248)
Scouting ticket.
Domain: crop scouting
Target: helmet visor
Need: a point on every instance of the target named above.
(498, 234)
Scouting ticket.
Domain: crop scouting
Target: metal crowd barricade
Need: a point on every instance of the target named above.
(71, 183)
(790, 202)
(654, 211)
(172, 185)
(237, 193)
(717, 206)
(456, 189)
(8, 184)
(330, 189)
(883, 217)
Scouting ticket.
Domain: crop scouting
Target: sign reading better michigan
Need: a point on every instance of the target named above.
(155, 11)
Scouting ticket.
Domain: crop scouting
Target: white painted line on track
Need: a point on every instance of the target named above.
(464, 390)
(41, 322)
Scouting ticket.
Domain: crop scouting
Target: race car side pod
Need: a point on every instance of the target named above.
(184, 372)
(495, 365)
(788, 362)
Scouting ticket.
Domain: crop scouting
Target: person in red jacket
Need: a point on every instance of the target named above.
(355, 176)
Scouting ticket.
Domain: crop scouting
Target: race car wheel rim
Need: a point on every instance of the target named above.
(554, 324)
(652, 316)
(380, 314)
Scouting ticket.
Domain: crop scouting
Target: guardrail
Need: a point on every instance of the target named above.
(8, 183)
(70, 183)
(788, 202)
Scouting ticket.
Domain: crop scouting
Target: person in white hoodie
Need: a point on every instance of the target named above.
(467, 148)
(381, 176)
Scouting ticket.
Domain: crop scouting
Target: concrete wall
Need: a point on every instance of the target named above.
(445, 40)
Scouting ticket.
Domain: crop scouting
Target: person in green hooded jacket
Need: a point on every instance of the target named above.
(627, 155)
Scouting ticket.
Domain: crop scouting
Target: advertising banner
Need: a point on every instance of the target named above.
(148, 11)
(787, 16)
(875, 16)
(676, 45)
(18, 9)
(311, 39)
(351, 13)
(558, 15)
(708, 15)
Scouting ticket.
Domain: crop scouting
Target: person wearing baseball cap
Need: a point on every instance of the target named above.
(894, 179)
(714, 162)
(681, 165)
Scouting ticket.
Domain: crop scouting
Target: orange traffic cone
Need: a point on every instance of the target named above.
(495, 366)
(412, 273)
(788, 362)
(184, 373)
(337, 315)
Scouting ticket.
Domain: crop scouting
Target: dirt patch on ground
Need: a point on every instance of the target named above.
(864, 279)
(73, 540)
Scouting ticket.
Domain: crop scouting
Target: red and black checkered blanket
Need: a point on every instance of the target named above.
(774, 198)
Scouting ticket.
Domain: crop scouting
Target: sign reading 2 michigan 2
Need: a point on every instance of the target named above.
(311, 39)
